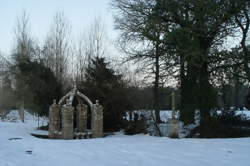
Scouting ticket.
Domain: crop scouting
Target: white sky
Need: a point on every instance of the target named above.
(80, 13)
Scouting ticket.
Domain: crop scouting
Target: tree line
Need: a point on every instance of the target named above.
(169, 40)
(36, 73)
(185, 39)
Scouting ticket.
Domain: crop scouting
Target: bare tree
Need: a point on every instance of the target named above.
(141, 40)
(95, 46)
(23, 48)
(91, 44)
(81, 60)
(22, 53)
(57, 46)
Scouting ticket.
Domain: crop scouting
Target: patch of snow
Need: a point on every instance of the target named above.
(117, 150)
(165, 115)
(244, 113)
(13, 116)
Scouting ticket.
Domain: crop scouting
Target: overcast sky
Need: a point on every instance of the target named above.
(81, 13)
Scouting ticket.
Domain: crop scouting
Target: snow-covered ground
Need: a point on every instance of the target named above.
(117, 150)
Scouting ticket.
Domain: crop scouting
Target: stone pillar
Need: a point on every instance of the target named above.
(67, 122)
(82, 117)
(54, 121)
(21, 112)
(97, 120)
(174, 128)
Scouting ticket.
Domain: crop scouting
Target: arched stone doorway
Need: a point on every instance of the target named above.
(64, 115)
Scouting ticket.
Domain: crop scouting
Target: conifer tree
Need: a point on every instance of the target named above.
(103, 83)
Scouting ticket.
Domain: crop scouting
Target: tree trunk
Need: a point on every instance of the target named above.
(246, 56)
(188, 96)
(243, 40)
(236, 91)
(156, 89)
(206, 95)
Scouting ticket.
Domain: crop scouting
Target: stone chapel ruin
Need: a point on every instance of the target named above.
(70, 121)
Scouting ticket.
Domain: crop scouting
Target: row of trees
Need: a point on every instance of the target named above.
(38, 73)
(180, 40)
(184, 39)
(65, 58)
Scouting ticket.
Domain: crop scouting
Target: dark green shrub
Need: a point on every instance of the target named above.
(225, 125)
(136, 127)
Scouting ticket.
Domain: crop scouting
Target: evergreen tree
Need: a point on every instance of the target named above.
(36, 86)
(104, 84)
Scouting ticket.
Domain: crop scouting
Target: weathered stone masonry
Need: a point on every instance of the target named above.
(61, 118)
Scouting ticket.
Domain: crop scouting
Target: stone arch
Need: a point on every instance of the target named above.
(74, 93)
(67, 112)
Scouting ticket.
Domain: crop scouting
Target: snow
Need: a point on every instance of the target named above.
(13, 116)
(117, 150)
(164, 114)
(243, 112)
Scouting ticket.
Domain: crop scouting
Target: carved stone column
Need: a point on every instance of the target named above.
(54, 121)
(82, 117)
(67, 122)
(97, 120)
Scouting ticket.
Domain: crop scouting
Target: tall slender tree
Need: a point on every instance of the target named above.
(22, 53)
(141, 39)
(57, 46)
